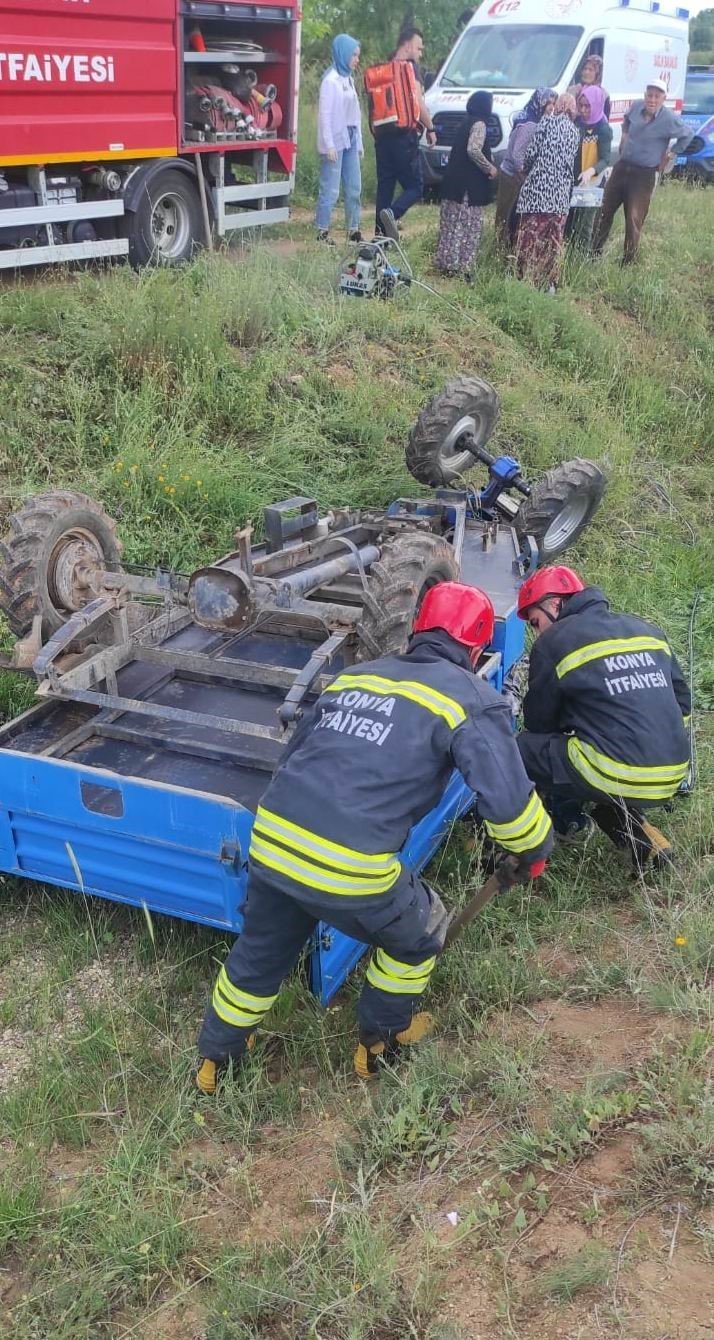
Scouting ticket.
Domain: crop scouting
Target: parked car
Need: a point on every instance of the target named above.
(698, 112)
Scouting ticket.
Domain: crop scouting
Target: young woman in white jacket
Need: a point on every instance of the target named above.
(339, 140)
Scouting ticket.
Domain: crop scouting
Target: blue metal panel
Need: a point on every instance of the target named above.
(336, 954)
(510, 639)
(175, 851)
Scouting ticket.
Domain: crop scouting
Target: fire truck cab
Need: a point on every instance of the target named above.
(139, 127)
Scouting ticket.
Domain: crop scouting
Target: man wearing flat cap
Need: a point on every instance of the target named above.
(647, 133)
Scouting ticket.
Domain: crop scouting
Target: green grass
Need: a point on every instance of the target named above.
(299, 1203)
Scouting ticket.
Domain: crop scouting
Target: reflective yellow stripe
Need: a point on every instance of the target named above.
(399, 979)
(237, 996)
(438, 703)
(594, 651)
(526, 832)
(315, 876)
(624, 779)
(530, 840)
(515, 826)
(237, 1007)
(268, 826)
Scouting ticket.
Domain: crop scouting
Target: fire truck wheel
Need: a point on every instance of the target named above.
(51, 559)
(409, 565)
(467, 407)
(166, 227)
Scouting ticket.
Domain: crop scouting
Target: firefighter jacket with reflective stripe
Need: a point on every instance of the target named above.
(612, 682)
(374, 755)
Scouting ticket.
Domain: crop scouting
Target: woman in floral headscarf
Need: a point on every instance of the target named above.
(512, 172)
(544, 199)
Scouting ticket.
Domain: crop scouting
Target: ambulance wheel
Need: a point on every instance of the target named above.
(561, 506)
(166, 227)
(51, 557)
(436, 454)
(409, 565)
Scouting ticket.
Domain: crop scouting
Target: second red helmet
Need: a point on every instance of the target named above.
(554, 581)
(464, 612)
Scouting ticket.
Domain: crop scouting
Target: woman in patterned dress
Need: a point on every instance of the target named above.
(544, 199)
(511, 174)
(467, 187)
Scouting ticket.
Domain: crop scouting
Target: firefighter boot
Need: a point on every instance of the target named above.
(210, 1072)
(662, 852)
(368, 1055)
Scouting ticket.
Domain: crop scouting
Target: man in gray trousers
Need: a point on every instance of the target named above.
(647, 132)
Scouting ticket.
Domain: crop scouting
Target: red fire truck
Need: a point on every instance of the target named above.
(141, 127)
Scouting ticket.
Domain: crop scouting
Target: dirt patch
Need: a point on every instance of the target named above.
(281, 1189)
(585, 1040)
(671, 1298)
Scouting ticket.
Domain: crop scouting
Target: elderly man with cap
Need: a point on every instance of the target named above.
(648, 130)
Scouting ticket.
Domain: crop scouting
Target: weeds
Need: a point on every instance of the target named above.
(590, 1266)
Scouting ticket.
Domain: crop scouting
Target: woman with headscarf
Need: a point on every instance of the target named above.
(512, 173)
(591, 77)
(339, 140)
(544, 198)
(466, 188)
(591, 160)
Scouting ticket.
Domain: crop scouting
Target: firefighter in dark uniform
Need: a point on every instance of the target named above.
(368, 761)
(606, 714)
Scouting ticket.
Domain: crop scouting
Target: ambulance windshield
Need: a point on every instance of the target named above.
(511, 56)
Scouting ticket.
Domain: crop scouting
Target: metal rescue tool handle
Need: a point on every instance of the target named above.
(504, 878)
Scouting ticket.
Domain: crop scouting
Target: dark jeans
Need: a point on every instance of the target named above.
(408, 923)
(398, 163)
(629, 187)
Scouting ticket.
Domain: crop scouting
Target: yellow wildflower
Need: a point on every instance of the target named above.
(199, 483)
(680, 940)
(161, 478)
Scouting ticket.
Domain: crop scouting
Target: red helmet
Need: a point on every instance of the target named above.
(547, 582)
(464, 612)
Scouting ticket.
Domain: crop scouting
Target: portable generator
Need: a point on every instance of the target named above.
(371, 274)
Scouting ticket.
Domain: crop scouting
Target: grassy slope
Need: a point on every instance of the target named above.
(301, 1205)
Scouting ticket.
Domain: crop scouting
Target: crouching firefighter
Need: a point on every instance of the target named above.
(606, 714)
(366, 763)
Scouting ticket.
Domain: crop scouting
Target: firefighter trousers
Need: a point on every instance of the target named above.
(545, 758)
(405, 926)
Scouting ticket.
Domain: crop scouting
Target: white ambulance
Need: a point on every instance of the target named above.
(512, 47)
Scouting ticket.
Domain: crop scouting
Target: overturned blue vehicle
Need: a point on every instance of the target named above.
(164, 701)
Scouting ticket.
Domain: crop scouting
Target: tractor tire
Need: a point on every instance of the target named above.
(37, 555)
(166, 226)
(561, 506)
(434, 454)
(410, 564)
